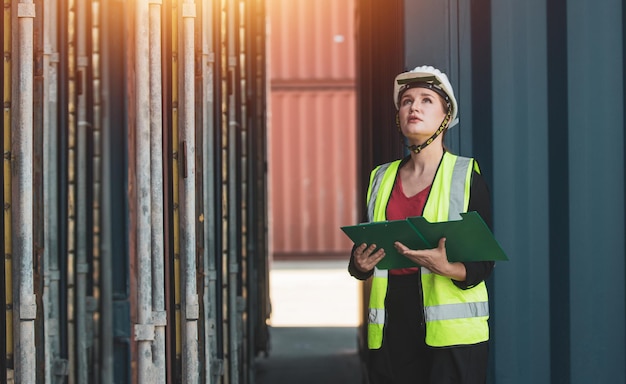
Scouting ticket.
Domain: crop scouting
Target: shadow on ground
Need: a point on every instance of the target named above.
(306, 355)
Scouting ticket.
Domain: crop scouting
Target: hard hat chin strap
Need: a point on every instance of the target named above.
(444, 124)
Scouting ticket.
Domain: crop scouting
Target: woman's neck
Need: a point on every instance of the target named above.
(428, 157)
(419, 172)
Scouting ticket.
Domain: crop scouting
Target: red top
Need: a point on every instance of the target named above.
(400, 207)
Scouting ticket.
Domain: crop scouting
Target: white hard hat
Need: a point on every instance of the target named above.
(435, 79)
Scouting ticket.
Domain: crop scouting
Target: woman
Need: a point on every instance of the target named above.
(426, 324)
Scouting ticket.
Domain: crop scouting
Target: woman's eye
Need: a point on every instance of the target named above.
(427, 100)
(406, 101)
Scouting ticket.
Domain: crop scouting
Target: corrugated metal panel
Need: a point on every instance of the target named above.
(312, 142)
(557, 185)
(311, 39)
(559, 207)
(312, 173)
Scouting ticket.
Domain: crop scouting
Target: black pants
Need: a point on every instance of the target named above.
(463, 364)
(404, 356)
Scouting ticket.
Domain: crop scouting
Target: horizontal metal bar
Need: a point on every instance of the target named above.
(144, 332)
(189, 10)
(26, 10)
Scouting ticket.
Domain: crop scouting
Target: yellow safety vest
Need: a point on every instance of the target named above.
(453, 316)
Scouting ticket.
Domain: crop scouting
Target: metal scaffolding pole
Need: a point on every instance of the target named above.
(50, 206)
(107, 359)
(157, 191)
(233, 225)
(188, 199)
(82, 225)
(8, 315)
(62, 365)
(211, 368)
(144, 329)
(97, 368)
(23, 192)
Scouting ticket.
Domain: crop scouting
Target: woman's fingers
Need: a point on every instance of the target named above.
(434, 259)
(366, 257)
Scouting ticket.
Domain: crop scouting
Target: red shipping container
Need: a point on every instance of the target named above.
(312, 128)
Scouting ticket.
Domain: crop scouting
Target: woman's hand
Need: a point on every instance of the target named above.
(435, 259)
(365, 259)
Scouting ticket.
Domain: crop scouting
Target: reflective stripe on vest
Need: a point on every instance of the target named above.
(376, 313)
(457, 311)
(375, 183)
(457, 189)
(376, 316)
(453, 316)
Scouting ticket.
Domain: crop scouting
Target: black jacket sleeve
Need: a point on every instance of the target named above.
(354, 271)
(480, 202)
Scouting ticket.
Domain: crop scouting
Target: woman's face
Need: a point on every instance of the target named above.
(421, 113)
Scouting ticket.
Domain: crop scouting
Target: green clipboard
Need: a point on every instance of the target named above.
(467, 239)
(384, 234)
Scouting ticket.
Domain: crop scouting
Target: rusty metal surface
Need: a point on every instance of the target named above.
(312, 127)
(311, 40)
(312, 171)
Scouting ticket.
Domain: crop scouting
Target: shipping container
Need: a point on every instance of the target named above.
(312, 128)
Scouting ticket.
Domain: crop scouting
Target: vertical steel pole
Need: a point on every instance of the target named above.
(97, 191)
(233, 225)
(7, 270)
(3, 301)
(157, 191)
(177, 285)
(23, 187)
(208, 188)
(223, 313)
(81, 161)
(144, 329)
(116, 40)
(71, 197)
(243, 27)
(51, 266)
(62, 183)
(188, 199)
(106, 207)
(188, 219)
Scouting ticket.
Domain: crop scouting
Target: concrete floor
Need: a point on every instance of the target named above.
(313, 334)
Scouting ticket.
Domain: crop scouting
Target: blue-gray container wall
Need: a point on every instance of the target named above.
(541, 92)
(560, 206)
